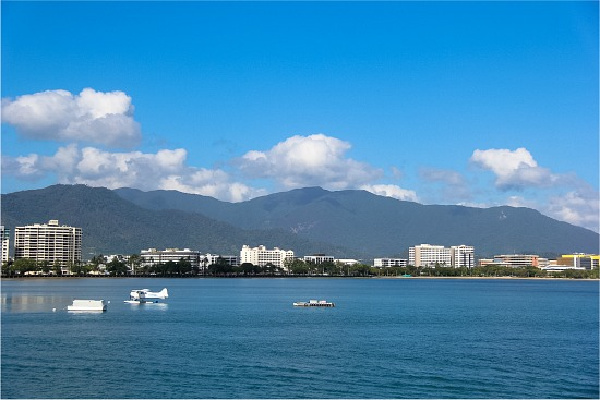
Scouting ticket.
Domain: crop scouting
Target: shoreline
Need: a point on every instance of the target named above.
(309, 277)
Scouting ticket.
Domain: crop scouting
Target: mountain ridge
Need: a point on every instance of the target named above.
(349, 223)
(112, 224)
(386, 226)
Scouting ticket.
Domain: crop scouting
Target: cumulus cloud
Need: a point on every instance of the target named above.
(90, 117)
(308, 161)
(569, 198)
(166, 169)
(394, 191)
(579, 207)
(514, 169)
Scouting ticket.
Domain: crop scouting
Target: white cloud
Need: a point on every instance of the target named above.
(220, 189)
(22, 167)
(568, 197)
(90, 117)
(308, 161)
(514, 169)
(166, 170)
(394, 191)
(580, 207)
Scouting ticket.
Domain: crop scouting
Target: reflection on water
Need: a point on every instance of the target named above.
(20, 302)
(145, 307)
(23, 303)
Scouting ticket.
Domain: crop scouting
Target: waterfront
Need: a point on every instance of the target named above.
(242, 338)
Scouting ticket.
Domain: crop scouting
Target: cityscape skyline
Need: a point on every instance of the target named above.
(42, 245)
(476, 103)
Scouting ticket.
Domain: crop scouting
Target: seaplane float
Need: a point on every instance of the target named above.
(141, 296)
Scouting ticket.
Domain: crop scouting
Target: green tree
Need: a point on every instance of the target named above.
(296, 266)
(184, 267)
(116, 267)
(23, 265)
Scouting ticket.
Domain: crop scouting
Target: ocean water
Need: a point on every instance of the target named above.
(242, 338)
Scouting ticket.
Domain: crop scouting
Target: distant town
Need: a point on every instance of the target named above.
(50, 249)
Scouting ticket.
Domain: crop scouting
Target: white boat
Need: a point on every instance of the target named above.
(87, 305)
(138, 296)
(314, 303)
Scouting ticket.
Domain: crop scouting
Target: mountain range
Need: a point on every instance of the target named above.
(349, 224)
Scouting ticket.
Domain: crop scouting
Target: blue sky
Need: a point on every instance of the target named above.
(474, 103)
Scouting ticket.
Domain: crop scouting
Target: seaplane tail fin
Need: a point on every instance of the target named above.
(163, 293)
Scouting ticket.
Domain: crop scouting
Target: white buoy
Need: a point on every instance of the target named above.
(53, 309)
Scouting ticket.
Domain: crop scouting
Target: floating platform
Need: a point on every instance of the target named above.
(87, 306)
(314, 303)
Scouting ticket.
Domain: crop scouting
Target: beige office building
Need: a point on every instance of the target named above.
(427, 255)
(48, 242)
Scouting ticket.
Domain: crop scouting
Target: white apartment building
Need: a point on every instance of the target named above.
(5, 235)
(212, 259)
(260, 256)
(389, 262)
(152, 256)
(48, 242)
(462, 256)
(318, 259)
(427, 255)
(347, 261)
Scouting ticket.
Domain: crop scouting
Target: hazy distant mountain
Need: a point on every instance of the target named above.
(383, 226)
(112, 224)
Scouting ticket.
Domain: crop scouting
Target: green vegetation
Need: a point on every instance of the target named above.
(296, 267)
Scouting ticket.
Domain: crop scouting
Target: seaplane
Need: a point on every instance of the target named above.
(141, 296)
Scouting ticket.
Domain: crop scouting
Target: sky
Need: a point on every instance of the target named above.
(471, 103)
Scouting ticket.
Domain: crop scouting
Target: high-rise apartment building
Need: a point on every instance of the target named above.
(5, 235)
(462, 256)
(427, 255)
(261, 256)
(48, 242)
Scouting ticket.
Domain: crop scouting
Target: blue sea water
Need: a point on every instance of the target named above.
(242, 338)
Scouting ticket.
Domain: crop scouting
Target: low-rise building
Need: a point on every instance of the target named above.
(389, 262)
(579, 260)
(152, 256)
(517, 260)
(211, 259)
(318, 259)
(485, 261)
(347, 261)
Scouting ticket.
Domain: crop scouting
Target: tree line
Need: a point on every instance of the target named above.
(294, 267)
